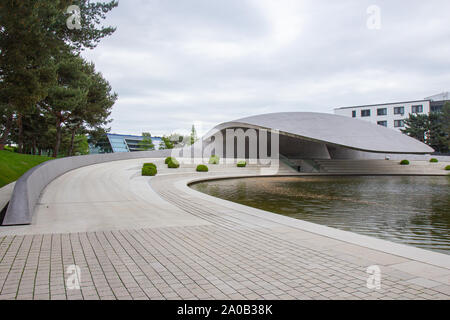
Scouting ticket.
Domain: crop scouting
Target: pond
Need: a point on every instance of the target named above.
(413, 210)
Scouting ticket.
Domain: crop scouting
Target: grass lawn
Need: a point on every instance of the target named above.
(13, 165)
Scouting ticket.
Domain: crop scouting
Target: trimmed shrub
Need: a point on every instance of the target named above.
(447, 168)
(241, 164)
(434, 160)
(168, 160)
(149, 165)
(173, 163)
(149, 171)
(10, 149)
(404, 162)
(202, 168)
(214, 160)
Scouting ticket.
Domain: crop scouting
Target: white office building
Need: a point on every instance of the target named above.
(392, 115)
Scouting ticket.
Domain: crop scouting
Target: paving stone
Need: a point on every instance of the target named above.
(230, 256)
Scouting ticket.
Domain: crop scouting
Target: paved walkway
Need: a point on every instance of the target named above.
(205, 249)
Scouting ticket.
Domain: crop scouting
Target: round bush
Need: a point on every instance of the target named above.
(434, 160)
(404, 162)
(214, 160)
(202, 168)
(168, 160)
(149, 165)
(447, 168)
(241, 164)
(173, 163)
(149, 171)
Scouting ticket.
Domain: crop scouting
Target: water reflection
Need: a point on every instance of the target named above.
(410, 210)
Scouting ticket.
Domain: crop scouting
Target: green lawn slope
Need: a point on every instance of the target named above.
(13, 165)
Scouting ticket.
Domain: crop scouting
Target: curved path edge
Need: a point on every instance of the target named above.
(29, 186)
(401, 250)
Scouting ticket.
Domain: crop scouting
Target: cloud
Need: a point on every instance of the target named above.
(176, 62)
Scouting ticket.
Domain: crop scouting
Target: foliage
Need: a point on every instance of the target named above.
(432, 129)
(202, 168)
(445, 114)
(447, 167)
(434, 160)
(241, 163)
(79, 146)
(167, 160)
(416, 126)
(214, 160)
(149, 164)
(149, 171)
(146, 143)
(13, 165)
(45, 85)
(404, 162)
(166, 143)
(98, 139)
(10, 149)
(173, 163)
(193, 136)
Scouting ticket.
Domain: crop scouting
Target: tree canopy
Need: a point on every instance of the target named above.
(47, 90)
(146, 143)
(432, 129)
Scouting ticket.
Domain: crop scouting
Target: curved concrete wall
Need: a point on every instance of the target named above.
(29, 187)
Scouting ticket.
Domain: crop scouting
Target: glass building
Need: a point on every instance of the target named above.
(121, 143)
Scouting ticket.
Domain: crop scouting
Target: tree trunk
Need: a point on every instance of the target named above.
(72, 139)
(33, 148)
(58, 137)
(5, 134)
(20, 138)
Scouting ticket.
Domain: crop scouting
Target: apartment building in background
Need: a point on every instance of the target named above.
(393, 115)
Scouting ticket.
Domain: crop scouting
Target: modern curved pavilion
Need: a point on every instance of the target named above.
(137, 237)
(309, 135)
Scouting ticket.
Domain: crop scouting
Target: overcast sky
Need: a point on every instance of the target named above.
(178, 62)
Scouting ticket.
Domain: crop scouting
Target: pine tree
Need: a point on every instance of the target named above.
(31, 33)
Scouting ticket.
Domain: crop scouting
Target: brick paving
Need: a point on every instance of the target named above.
(228, 259)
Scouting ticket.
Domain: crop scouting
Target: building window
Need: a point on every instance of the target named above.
(382, 123)
(354, 114)
(365, 113)
(399, 123)
(382, 112)
(417, 109)
(436, 107)
(399, 110)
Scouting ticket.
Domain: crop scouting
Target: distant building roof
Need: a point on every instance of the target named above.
(439, 97)
(382, 104)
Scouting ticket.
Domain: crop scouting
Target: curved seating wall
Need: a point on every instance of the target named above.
(29, 187)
